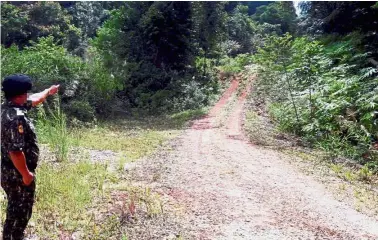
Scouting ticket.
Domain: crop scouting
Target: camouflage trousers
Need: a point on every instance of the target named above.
(20, 205)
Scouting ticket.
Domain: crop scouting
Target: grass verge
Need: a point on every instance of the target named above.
(64, 193)
(134, 138)
(356, 186)
(76, 197)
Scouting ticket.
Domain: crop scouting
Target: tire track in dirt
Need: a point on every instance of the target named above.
(228, 188)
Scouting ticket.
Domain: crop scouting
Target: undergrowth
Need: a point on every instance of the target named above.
(323, 92)
(72, 190)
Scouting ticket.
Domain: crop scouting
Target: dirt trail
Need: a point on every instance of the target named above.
(227, 188)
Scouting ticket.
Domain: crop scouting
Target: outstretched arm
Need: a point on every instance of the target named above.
(40, 97)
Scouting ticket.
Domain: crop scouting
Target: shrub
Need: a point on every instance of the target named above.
(85, 85)
(234, 65)
(46, 62)
(81, 110)
(332, 104)
(193, 95)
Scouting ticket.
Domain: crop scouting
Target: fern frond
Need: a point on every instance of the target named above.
(367, 72)
(361, 56)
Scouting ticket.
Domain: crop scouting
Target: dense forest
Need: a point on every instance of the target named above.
(316, 62)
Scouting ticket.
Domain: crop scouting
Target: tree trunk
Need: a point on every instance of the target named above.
(291, 94)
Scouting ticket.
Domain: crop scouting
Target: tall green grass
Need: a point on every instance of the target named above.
(52, 130)
(64, 195)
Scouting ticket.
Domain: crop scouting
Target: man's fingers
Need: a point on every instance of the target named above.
(28, 179)
(54, 89)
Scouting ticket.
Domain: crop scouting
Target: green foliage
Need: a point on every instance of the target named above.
(275, 61)
(45, 61)
(345, 49)
(13, 23)
(241, 29)
(75, 184)
(209, 21)
(185, 116)
(193, 95)
(81, 110)
(52, 129)
(364, 173)
(133, 143)
(88, 16)
(277, 13)
(88, 85)
(202, 63)
(146, 46)
(146, 54)
(28, 22)
(99, 86)
(231, 66)
(341, 17)
(329, 103)
(165, 34)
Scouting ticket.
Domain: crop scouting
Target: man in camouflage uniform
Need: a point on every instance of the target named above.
(19, 152)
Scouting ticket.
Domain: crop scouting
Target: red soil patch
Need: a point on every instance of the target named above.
(205, 122)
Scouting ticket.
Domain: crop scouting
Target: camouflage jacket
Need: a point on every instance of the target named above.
(17, 134)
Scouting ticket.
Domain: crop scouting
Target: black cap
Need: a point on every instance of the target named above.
(16, 84)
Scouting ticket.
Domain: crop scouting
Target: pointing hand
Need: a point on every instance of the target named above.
(53, 89)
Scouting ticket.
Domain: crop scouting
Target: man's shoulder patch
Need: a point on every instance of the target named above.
(20, 129)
